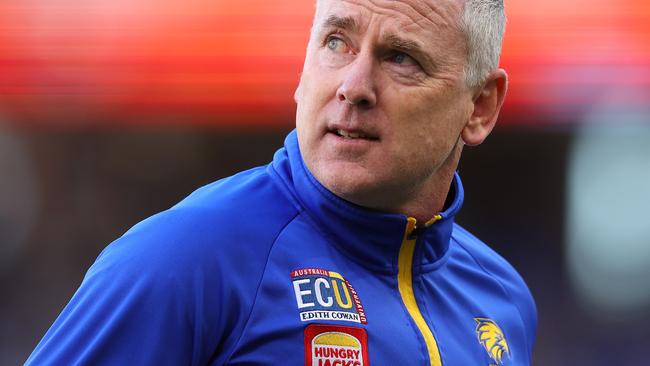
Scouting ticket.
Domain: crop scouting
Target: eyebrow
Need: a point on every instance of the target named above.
(335, 21)
(399, 43)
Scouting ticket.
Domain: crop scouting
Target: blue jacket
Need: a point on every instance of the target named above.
(268, 267)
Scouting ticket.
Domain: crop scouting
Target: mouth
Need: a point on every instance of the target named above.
(352, 135)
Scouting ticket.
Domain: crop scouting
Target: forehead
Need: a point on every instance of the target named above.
(417, 16)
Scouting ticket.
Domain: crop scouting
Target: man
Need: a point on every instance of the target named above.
(343, 250)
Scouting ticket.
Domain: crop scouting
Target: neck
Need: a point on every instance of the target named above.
(430, 200)
(427, 199)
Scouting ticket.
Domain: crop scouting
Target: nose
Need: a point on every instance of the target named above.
(358, 85)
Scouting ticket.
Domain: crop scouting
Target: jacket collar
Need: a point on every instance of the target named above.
(369, 237)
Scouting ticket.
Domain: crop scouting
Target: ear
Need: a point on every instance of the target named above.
(487, 104)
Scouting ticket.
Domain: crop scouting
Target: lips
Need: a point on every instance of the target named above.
(349, 134)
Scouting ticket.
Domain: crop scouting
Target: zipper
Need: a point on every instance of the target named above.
(405, 284)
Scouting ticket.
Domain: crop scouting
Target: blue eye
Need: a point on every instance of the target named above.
(402, 59)
(333, 43)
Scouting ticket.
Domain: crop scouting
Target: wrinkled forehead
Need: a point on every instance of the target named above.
(430, 15)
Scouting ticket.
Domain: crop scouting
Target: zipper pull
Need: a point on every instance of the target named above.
(413, 230)
(411, 226)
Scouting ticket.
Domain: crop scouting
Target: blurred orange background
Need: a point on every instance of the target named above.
(233, 62)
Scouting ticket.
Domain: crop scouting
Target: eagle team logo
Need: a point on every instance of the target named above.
(326, 295)
(492, 338)
(330, 345)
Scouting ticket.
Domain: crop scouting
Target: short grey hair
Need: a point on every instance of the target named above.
(483, 23)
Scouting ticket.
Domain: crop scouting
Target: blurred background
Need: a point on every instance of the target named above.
(111, 111)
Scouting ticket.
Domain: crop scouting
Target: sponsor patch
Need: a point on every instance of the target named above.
(326, 295)
(331, 345)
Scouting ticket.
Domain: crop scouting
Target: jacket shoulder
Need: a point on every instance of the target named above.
(189, 273)
(238, 216)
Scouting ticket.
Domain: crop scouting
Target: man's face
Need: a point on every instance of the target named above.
(382, 99)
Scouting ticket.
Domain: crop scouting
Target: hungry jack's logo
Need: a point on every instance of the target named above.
(331, 345)
(326, 295)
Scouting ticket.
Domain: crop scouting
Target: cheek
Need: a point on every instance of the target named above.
(313, 83)
(316, 98)
(429, 127)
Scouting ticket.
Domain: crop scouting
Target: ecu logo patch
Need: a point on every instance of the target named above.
(331, 345)
(492, 338)
(326, 295)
